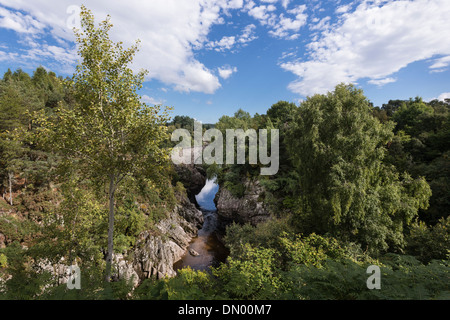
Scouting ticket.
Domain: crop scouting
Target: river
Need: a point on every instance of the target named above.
(210, 250)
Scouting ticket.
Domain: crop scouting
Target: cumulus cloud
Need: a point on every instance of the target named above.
(285, 3)
(284, 25)
(343, 8)
(19, 22)
(320, 24)
(261, 12)
(226, 43)
(169, 30)
(248, 34)
(445, 95)
(374, 41)
(230, 42)
(226, 72)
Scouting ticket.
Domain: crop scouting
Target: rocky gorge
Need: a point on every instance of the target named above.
(156, 255)
(158, 252)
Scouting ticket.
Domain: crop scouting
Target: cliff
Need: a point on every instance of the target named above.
(156, 251)
(193, 177)
(248, 209)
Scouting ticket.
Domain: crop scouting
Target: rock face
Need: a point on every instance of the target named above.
(193, 178)
(157, 250)
(248, 209)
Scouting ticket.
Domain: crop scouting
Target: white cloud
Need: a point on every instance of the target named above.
(440, 64)
(382, 82)
(58, 58)
(374, 41)
(344, 8)
(226, 72)
(444, 96)
(7, 56)
(286, 25)
(285, 3)
(19, 22)
(229, 42)
(320, 24)
(248, 34)
(151, 101)
(261, 13)
(226, 43)
(169, 31)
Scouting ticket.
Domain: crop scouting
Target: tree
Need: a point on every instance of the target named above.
(422, 147)
(392, 106)
(345, 189)
(10, 161)
(412, 116)
(282, 111)
(108, 135)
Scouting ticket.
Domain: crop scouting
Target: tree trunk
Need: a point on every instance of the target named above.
(110, 229)
(10, 176)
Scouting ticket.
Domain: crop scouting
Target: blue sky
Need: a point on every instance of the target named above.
(207, 58)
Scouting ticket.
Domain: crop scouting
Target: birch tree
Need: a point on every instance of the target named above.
(109, 134)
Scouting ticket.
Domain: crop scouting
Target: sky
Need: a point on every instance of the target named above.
(208, 58)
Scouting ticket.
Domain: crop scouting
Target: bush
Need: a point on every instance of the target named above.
(252, 277)
(187, 285)
(428, 243)
(401, 278)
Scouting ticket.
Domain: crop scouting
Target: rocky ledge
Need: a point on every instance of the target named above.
(248, 209)
(156, 251)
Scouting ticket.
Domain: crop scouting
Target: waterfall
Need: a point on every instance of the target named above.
(205, 198)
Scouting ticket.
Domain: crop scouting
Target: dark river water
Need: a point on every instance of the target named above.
(210, 250)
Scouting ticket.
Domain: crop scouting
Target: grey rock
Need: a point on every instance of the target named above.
(248, 209)
(193, 252)
(156, 251)
(193, 177)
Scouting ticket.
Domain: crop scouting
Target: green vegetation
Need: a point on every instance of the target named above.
(107, 136)
(84, 171)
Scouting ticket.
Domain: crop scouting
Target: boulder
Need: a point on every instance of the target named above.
(193, 253)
